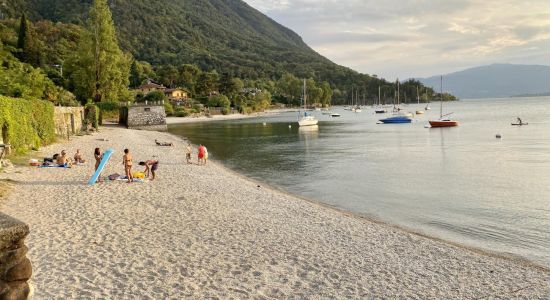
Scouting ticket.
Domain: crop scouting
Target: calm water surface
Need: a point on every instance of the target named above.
(460, 184)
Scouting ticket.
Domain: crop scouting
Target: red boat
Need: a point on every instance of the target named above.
(443, 123)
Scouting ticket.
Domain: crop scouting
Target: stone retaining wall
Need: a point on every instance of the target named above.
(15, 267)
(147, 117)
(68, 120)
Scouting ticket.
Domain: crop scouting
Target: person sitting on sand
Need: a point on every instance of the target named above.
(127, 162)
(164, 144)
(78, 157)
(151, 166)
(188, 153)
(62, 160)
(98, 157)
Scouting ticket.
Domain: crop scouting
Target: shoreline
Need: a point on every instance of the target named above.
(210, 231)
(366, 218)
(237, 116)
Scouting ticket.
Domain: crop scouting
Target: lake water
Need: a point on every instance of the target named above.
(461, 184)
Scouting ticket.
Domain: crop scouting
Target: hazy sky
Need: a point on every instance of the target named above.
(418, 38)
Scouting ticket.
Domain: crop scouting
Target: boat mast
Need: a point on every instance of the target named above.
(397, 92)
(441, 99)
(305, 96)
(379, 101)
(417, 95)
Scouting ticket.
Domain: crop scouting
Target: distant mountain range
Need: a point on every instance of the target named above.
(495, 81)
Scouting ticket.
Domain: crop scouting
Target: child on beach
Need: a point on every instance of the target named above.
(98, 157)
(188, 152)
(78, 157)
(127, 162)
(200, 155)
(205, 155)
(151, 166)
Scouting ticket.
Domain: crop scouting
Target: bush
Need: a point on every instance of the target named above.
(182, 113)
(154, 96)
(108, 110)
(26, 124)
(168, 108)
(91, 115)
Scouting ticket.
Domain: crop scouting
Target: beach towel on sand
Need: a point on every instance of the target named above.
(55, 166)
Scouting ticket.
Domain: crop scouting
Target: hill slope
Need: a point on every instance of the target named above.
(493, 81)
(214, 34)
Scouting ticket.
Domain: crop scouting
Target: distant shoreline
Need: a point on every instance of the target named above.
(187, 120)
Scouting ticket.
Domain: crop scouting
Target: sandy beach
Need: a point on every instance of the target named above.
(206, 232)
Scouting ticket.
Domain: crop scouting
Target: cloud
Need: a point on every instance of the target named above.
(412, 38)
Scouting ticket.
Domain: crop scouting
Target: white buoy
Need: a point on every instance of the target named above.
(289, 126)
(265, 123)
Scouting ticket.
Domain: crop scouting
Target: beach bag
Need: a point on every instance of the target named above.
(114, 176)
(139, 175)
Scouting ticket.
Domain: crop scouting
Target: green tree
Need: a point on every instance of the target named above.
(155, 96)
(99, 69)
(327, 94)
(27, 44)
(188, 76)
(207, 83)
(219, 101)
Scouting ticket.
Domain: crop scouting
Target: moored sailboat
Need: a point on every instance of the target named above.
(306, 119)
(443, 121)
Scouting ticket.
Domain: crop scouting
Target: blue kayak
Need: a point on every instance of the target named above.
(396, 120)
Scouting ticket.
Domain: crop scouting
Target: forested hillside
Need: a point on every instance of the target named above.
(226, 36)
(213, 34)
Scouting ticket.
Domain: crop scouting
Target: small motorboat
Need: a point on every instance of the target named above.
(335, 115)
(519, 124)
(380, 111)
(396, 120)
(419, 112)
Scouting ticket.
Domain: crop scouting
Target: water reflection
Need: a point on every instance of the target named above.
(456, 183)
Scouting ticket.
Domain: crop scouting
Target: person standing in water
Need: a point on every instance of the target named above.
(127, 162)
(188, 153)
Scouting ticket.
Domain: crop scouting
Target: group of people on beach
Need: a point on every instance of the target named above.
(202, 156)
(63, 160)
(151, 166)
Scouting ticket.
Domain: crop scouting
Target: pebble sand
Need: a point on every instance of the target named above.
(205, 232)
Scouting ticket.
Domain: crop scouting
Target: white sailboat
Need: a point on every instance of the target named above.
(306, 119)
(379, 109)
(427, 99)
(418, 112)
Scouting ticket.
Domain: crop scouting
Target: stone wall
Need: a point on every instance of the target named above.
(68, 120)
(15, 267)
(147, 117)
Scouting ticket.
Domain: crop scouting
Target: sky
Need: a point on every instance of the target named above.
(418, 38)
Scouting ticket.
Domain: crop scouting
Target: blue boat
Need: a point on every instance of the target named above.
(396, 120)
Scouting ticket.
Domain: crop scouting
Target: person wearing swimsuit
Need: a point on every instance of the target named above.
(98, 157)
(127, 162)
